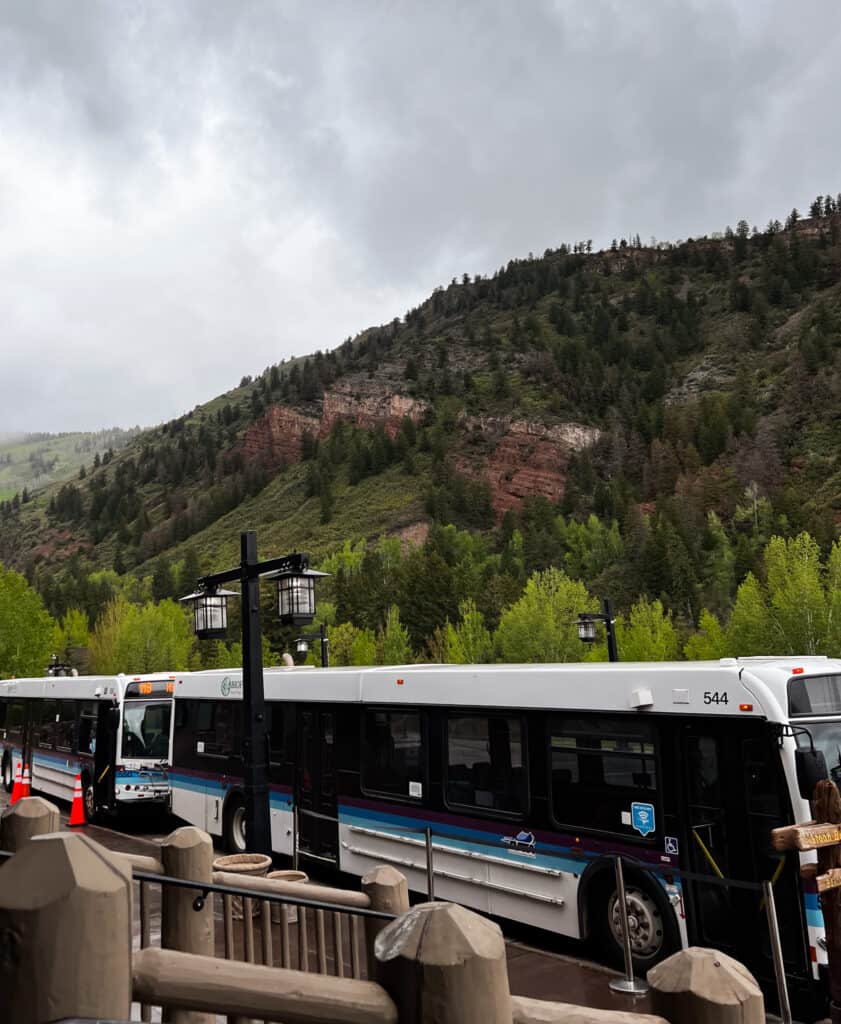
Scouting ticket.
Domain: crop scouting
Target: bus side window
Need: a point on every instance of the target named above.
(3, 705)
(182, 714)
(393, 754)
(87, 728)
(14, 721)
(485, 763)
(43, 735)
(601, 766)
(219, 728)
(66, 725)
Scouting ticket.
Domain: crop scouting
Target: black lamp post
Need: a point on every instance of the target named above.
(302, 644)
(296, 605)
(587, 628)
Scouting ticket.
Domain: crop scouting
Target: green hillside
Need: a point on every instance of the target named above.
(646, 418)
(31, 462)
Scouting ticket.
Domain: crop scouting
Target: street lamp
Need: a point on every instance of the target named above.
(296, 605)
(587, 628)
(296, 595)
(210, 612)
(302, 644)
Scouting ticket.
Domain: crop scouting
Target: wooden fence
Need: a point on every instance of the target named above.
(66, 948)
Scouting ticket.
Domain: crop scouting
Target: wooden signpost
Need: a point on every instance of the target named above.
(826, 839)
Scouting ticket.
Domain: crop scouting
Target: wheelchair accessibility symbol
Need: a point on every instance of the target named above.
(671, 845)
(642, 818)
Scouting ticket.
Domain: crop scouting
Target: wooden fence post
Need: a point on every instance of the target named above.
(187, 853)
(703, 986)
(444, 964)
(30, 817)
(65, 933)
(388, 891)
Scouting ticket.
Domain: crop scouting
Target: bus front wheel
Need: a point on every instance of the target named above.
(651, 922)
(234, 830)
(88, 799)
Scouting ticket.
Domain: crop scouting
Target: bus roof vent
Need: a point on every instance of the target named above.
(642, 698)
(728, 662)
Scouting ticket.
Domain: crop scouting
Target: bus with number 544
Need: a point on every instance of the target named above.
(533, 778)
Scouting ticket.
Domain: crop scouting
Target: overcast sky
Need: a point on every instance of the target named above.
(190, 191)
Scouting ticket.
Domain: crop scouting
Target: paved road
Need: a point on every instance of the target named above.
(557, 973)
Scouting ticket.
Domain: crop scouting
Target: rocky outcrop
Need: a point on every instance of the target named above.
(368, 405)
(523, 458)
(527, 459)
(277, 436)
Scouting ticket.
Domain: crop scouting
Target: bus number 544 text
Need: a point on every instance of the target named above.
(714, 697)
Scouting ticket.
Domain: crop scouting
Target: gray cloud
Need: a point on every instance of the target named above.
(191, 191)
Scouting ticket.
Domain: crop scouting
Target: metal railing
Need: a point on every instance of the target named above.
(272, 928)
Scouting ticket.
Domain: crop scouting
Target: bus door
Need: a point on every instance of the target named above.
(315, 784)
(734, 795)
(105, 755)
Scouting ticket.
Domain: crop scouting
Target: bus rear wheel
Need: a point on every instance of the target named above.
(234, 830)
(651, 922)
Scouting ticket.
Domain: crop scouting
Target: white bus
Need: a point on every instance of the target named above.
(533, 777)
(113, 731)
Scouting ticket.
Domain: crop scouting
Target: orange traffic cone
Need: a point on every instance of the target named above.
(18, 786)
(26, 785)
(77, 811)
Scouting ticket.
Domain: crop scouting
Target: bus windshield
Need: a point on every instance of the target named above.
(827, 739)
(146, 728)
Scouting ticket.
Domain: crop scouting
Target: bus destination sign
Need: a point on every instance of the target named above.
(150, 688)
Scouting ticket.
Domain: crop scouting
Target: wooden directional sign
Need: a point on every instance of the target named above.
(806, 837)
(830, 880)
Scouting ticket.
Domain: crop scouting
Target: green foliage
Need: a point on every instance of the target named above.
(648, 635)
(132, 639)
(469, 642)
(72, 632)
(350, 645)
(393, 646)
(541, 625)
(26, 628)
(709, 643)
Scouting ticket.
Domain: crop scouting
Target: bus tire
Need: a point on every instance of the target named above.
(233, 827)
(8, 772)
(651, 919)
(88, 799)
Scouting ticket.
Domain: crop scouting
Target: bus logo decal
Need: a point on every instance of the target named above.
(228, 684)
(523, 842)
(642, 818)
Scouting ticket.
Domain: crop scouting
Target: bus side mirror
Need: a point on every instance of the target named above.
(811, 769)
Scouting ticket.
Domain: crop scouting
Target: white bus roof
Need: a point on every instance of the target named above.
(750, 685)
(76, 687)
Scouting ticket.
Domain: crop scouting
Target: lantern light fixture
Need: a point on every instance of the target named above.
(210, 612)
(296, 595)
(587, 628)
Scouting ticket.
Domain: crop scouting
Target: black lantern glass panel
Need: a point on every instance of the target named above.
(296, 599)
(586, 629)
(210, 613)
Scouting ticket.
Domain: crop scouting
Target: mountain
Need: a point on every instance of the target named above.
(650, 385)
(29, 462)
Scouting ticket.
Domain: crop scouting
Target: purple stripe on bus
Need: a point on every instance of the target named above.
(587, 847)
